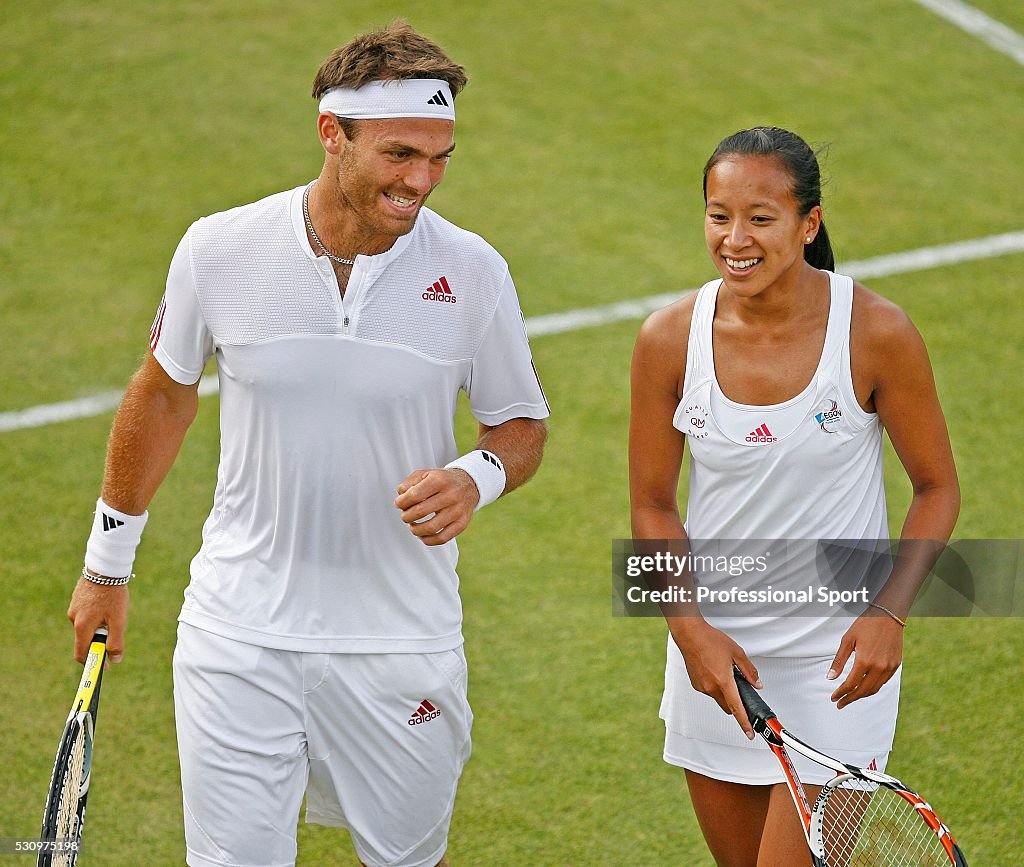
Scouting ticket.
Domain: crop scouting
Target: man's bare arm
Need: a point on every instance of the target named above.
(148, 430)
(519, 443)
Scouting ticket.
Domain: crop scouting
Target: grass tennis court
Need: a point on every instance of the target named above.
(581, 137)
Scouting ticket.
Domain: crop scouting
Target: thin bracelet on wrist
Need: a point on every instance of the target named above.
(901, 622)
(105, 582)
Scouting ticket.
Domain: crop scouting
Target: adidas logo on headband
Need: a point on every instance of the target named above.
(404, 97)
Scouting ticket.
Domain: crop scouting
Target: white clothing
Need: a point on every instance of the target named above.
(810, 469)
(376, 741)
(806, 469)
(326, 405)
(700, 737)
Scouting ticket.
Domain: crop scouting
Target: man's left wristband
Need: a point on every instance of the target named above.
(113, 541)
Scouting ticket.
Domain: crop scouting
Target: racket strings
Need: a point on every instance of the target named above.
(66, 826)
(866, 824)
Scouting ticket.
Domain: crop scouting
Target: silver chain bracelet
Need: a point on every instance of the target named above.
(105, 582)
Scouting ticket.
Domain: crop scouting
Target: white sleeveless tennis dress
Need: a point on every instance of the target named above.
(809, 468)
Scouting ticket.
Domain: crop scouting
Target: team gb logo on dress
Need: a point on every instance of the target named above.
(830, 417)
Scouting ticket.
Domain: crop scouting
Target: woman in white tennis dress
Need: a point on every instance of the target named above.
(781, 375)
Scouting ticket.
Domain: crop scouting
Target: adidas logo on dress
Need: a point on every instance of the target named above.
(424, 713)
(440, 291)
(761, 435)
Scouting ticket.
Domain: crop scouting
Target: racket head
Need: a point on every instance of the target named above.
(64, 813)
(861, 817)
(860, 820)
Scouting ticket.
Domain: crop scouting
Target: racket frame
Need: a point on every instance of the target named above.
(82, 717)
(766, 724)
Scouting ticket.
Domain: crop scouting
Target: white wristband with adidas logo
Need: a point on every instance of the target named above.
(113, 540)
(486, 469)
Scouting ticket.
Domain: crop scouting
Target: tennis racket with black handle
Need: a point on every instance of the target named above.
(861, 817)
(64, 816)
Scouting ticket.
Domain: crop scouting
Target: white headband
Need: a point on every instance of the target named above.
(406, 97)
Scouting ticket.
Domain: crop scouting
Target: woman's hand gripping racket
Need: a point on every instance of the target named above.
(69, 786)
(861, 817)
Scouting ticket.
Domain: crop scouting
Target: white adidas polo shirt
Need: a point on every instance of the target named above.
(326, 405)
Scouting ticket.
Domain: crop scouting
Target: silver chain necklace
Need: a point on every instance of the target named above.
(309, 225)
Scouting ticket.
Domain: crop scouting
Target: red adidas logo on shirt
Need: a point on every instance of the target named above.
(424, 713)
(440, 291)
(761, 435)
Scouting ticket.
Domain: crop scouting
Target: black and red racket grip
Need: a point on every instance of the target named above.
(757, 709)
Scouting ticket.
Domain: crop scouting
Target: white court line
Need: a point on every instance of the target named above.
(879, 266)
(575, 320)
(977, 23)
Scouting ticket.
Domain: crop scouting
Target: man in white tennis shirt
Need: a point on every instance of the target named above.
(320, 645)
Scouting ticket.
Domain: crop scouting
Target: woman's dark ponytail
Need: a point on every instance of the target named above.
(818, 253)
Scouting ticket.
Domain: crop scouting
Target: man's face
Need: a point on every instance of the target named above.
(387, 170)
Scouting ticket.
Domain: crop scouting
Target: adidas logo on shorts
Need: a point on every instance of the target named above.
(424, 713)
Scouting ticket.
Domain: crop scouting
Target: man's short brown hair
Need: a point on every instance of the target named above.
(395, 52)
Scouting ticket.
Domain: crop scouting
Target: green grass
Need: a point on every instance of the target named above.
(581, 140)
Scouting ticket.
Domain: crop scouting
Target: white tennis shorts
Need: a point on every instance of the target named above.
(377, 743)
(700, 737)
